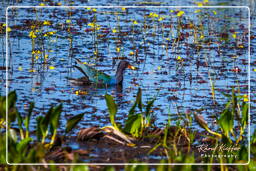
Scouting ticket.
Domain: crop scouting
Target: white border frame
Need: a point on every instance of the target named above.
(151, 164)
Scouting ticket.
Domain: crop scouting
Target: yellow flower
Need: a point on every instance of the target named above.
(36, 52)
(32, 70)
(131, 53)
(91, 24)
(202, 36)
(179, 58)
(214, 12)
(20, 68)
(171, 11)
(135, 22)
(114, 30)
(180, 13)
(94, 9)
(51, 67)
(254, 69)
(200, 4)
(46, 23)
(234, 35)
(197, 11)
(46, 56)
(68, 21)
(9, 29)
(246, 98)
(161, 18)
(159, 67)
(51, 32)
(123, 9)
(32, 35)
(118, 49)
(206, 1)
(41, 4)
(94, 25)
(153, 15)
(88, 8)
(241, 46)
(168, 38)
(80, 92)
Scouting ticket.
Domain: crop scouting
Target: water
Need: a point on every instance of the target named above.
(183, 85)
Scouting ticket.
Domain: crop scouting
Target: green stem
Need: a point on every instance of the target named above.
(53, 136)
(154, 148)
(44, 136)
(21, 134)
(27, 133)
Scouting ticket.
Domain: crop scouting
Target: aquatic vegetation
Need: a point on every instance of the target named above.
(136, 122)
(73, 121)
(25, 150)
(237, 108)
(180, 53)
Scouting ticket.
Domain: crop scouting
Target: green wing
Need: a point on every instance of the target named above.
(93, 74)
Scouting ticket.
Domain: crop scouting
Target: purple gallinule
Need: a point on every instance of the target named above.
(93, 76)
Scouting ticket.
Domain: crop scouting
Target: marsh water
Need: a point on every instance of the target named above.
(180, 58)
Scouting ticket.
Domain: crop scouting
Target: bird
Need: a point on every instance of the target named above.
(93, 76)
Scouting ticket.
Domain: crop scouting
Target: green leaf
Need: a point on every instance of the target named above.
(136, 127)
(226, 121)
(20, 120)
(112, 108)
(149, 105)
(109, 168)
(132, 110)
(141, 168)
(44, 123)
(80, 168)
(73, 121)
(244, 114)
(133, 125)
(137, 102)
(138, 99)
(21, 146)
(12, 97)
(55, 117)
(162, 166)
(12, 134)
(27, 119)
(12, 111)
(39, 134)
(243, 154)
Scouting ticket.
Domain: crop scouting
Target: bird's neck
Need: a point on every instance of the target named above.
(119, 75)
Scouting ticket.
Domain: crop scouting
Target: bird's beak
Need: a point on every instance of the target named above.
(132, 67)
